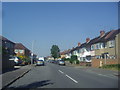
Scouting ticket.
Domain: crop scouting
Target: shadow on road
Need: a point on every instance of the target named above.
(34, 84)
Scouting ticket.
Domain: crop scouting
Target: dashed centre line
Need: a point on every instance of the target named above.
(60, 71)
(68, 76)
(71, 78)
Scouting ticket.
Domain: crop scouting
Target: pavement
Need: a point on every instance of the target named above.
(11, 76)
(56, 76)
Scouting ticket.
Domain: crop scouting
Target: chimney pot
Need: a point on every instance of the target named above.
(102, 32)
(87, 40)
(79, 44)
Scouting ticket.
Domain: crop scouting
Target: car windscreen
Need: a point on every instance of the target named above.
(39, 60)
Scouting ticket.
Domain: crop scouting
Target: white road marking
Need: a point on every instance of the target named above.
(60, 71)
(71, 78)
(105, 75)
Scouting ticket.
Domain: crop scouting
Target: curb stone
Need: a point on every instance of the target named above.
(15, 79)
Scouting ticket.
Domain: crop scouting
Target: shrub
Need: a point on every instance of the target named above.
(74, 57)
(25, 59)
(112, 66)
(77, 61)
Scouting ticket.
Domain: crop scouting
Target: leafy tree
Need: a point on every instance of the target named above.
(55, 51)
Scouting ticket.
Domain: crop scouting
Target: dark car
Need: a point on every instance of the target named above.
(40, 63)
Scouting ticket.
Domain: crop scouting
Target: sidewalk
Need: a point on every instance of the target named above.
(10, 77)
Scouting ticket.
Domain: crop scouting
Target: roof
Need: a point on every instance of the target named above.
(108, 36)
(20, 46)
(5, 39)
(65, 52)
(112, 34)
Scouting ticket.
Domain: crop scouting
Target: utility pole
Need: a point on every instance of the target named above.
(32, 53)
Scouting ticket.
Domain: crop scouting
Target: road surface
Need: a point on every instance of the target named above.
(55, 76)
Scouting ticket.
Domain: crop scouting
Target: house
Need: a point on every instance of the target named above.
(107, 49)
(7, 47)
(20, 49)
(65, 54)
(107, 45)
(49, 58)
(103, 46)
(83, 52)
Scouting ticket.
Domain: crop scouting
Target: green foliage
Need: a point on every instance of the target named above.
(77, 61)
(55, 51)
(111, 66)
(74, 57)
(71, 61)
(66, 59)
(25, 58)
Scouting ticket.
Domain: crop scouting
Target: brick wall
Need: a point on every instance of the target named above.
(100, 62)
(85, 63)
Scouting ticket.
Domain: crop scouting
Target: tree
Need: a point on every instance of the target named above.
(55, 51)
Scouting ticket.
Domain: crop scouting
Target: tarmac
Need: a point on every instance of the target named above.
(11, 76)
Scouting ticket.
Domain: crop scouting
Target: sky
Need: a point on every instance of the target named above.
(62, 23)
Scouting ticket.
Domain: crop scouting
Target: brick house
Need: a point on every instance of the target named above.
(107, 49)
(20, 49)
(106, 45)
(7, 47)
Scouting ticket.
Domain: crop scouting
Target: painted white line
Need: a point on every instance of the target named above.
(89, 71)
(105, 75)
(60, 71)
(71, 78)
(101, 75)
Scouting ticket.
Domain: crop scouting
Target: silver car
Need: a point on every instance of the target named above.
(61, 62)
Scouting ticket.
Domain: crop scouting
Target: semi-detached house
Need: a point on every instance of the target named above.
(20, 49)
(101, 47)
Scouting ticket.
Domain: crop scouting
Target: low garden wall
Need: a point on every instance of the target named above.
(100, 62)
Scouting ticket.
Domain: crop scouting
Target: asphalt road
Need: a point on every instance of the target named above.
(55, 76)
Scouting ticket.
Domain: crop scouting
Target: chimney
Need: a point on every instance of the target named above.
(87, 40)
(102, 33)
(79, 43)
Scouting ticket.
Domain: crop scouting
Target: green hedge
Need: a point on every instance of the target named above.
(112, 66)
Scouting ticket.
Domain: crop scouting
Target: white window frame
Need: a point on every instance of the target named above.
(111, 43)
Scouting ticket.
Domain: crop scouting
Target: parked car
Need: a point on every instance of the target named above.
(17, 60)
(61, 62)
(40, 63)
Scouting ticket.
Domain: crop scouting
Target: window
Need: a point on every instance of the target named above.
(16, 51)
(98, 46)
(98, 57)
(105, 45)
(102, 45)
(21, 51)
(92, 47)
(111, 43)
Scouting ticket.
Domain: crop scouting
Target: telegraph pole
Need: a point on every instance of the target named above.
(32, 53)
